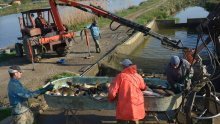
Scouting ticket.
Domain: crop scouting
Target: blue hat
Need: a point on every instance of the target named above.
(126, 62)
(175, 60)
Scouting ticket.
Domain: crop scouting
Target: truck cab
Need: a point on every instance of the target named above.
(41, 35)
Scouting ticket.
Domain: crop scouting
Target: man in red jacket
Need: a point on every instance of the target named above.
(126, 89)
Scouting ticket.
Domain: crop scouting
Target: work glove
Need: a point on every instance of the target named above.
(49, 87)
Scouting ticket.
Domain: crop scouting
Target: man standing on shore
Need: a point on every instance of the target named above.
(95, 32)
(127, 89)
(18, 97)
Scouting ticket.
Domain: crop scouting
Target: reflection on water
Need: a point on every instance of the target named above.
(153, 57)
(10, 30)
(191, 12)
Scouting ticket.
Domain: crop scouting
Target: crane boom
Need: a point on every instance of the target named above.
(106, 14)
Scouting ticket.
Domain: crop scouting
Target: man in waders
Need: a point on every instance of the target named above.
(127, 89)
(19, 95)
(95, 32)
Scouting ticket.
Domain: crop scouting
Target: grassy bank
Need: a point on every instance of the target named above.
(4, 113)
(164, 11)
(103, 21)
(23, 7)
(7, 56)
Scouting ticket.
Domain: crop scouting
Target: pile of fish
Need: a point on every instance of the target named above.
(98, 90)
(158, 90)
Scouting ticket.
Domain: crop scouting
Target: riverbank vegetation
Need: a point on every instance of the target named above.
(4, 113)
(6, 56)
(165, 11)
(103, 21)
(15, 8)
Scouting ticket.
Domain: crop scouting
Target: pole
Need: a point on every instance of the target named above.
(31, 54)
(88, 44)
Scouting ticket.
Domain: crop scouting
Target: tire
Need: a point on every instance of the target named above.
(19, 49)
(62, 50)
(37, 59)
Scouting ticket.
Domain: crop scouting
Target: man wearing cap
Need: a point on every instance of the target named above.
(178, 74)
(18, 97)
(127, 89)
(95, 32)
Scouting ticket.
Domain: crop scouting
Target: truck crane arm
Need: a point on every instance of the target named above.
(122, 21)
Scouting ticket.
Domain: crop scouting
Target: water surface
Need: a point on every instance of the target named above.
(191, 12)
(154, 57)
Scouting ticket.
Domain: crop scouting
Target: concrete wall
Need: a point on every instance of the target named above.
(136, 40)
(171, 23)
(125, 48)
(133, 42)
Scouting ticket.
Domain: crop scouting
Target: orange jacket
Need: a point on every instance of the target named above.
(126, 89)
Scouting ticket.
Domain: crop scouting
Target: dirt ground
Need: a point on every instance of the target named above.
(75, 60)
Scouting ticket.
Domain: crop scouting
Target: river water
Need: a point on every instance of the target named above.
(152, 57)
(10, 29)
(191, 12)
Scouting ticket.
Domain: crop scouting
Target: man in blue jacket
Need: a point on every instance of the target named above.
(18, 97)
(95, 32)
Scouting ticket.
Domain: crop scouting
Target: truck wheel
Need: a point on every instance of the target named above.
(19, 49)
(37, 59)
(62, 50)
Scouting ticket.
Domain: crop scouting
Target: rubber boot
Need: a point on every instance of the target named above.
(98, 50)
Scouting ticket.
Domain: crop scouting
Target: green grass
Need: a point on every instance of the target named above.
(5, 56)
(23, 7)
(104, 21)
(133, 9)
(147, 17)
(62, 75)
(164, 12)
(4, 113)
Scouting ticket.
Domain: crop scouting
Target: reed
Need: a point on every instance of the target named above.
(22, 7)
(76, 19)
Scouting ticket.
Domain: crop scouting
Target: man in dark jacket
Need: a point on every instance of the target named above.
(178, 74)
(42, 24)
(19, 95)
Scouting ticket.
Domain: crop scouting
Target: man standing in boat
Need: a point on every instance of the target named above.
(127, 89)
(19, 95)
(178, 74)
